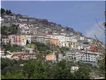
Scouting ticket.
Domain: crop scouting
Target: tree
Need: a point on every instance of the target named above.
(11, 48)
(83, 72)
(61, 71)
(42, 47)
(35, 69)
(27, 42)
(63, 50)
(2, 11)
(13, 75)
(33, 46)
(8, 12)
(11, 69)
(102, 66)
(5, 30)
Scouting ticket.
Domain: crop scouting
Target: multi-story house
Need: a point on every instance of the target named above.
(13, 17)
(71, 33)
(55, 42)
(90, 57)
(6, 16)
(5, 39)
(73, 43)
(21, 40)
(82, 38)
(90, 40)
(61, 39)
(41, 39)
(62, 33)
(83, 46)
(51, 57)
(32, 20)
(33, 30)
(61, 57)
(2, 52)
(67, 41)
(23, 19)
(24, 28)
(84, 56)
(1, 20)
(22, 56)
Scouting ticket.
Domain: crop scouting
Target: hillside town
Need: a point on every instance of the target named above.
(30, 31)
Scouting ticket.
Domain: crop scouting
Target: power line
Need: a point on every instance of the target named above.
(99, 25)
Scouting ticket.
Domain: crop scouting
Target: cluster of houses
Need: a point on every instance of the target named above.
(72, 42)
(81, 47)
(79, 51)
(17, 18)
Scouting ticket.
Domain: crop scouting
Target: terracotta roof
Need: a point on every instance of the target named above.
(20, 54)
(51, 57)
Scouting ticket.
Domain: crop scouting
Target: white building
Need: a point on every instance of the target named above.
(5, 40)
(74, 68)
(25, 28)
(73, 42)
(1, 20)
(23, 19)
(69, 41)
(89, 40)
(64, 40)
(82, 38)
(90, 57)
(2, 52)
(61, 57)
(60, 38)
(87, 57)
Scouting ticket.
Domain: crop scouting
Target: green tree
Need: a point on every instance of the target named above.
(40, 69)
(102, 66)
(61, 71)
(42, 47)
(8, 12)
(13, 75)
(5, 30)
(63, 50)
(35, 69)
(11, 69)
(2, 11)
(11, 48)
(83, 72)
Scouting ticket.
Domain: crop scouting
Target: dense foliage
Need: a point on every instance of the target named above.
(39, 69)
(102, 66)
(4, 11)
(41, 47)
(5, 30)
(12, 48)
(63, 50)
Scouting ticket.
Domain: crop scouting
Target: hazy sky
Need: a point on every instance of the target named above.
(80, 15)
